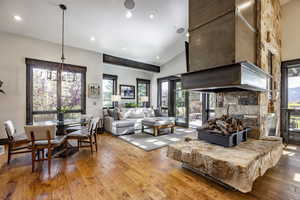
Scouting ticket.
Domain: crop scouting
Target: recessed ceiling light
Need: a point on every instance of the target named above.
(187, 34)
(93, 38)
(124, 48)
(152, 16)
(128, 14)
(18, 18)
(157, 57)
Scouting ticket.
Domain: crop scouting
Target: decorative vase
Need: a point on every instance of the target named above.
(61, 117)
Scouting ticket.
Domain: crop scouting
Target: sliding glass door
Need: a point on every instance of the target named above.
(190, 108)
(195, 109)
(164, 101)
(181, 101)
(290, 100)
(294, 97)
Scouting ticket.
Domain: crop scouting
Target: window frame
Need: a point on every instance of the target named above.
(168, 79)
(285, 111)
(148, 90)
(114, 78)
(42, 64)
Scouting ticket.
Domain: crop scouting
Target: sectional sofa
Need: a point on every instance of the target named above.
(127, 121)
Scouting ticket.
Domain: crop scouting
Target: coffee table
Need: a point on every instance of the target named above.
(157, 125)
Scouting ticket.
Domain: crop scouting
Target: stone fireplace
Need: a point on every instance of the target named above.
(260, 111)
(220, 37)
(243, 105)
(250, 32)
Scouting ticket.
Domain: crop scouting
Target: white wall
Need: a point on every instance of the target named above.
(13, 51)
(174, 67)
(127, 76)
(291, 30)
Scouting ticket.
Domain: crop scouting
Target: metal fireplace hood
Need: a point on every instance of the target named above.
(234, 77)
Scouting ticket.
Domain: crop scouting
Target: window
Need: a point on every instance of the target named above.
(211, 105)
(46, 92)
(180, 104)
(109, 88)
(143, 89)
(195, 109)
(164, 96)
(293, 97)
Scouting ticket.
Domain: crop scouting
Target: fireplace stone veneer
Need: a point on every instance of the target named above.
(237, 166)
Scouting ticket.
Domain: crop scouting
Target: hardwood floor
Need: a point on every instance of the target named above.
(121, 171)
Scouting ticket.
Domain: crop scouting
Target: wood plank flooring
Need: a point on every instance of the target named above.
(121, 171)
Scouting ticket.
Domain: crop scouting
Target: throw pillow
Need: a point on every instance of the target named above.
(110, 112)
(121, 116)
(135, 114)
(157, 113)
(105, 112)
(149, 112)
(116, 112)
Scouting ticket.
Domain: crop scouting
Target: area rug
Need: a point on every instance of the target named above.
(148, 142)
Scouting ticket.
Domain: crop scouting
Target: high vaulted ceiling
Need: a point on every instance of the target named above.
(139, 38)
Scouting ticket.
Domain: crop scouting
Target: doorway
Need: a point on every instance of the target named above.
(190, 108)
(290, 101)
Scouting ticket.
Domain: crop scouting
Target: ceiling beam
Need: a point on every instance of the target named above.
(130, 63)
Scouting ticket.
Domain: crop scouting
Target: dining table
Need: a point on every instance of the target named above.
(67, 148)
(62, 125)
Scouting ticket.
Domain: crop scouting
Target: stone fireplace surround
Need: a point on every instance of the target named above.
(253, 108)
(245, 106)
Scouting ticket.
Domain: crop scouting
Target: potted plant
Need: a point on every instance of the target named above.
(1, 91)
(130, 105)
(61, 111)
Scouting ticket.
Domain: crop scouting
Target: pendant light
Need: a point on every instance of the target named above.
(63, 8)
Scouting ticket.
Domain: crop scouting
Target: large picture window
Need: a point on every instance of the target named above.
(46, 92)
(109, 88)
(143, 90)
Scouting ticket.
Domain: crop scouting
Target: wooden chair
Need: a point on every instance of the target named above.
(43, 137)
(17, 143)
(79, 126)
(86, 137)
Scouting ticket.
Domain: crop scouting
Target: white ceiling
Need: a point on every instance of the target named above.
(144, 39)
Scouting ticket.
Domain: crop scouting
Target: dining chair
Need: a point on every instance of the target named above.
(86, 137)
(43, 138)
(79, 126)
(17, 142)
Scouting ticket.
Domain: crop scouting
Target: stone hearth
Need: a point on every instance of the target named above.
(237, 167)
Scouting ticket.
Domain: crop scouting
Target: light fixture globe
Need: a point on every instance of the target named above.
(129, 4)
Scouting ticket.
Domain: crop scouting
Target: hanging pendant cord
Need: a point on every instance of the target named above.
(63, 36)
(63, 7)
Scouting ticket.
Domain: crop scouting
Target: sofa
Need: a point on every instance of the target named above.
(128, 120)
